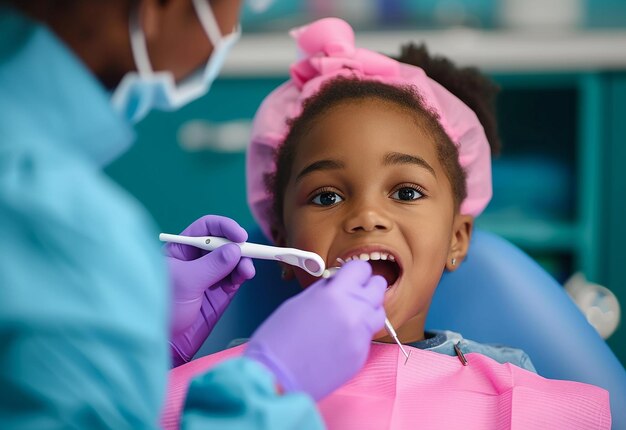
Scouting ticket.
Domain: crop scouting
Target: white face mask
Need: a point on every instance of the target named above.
(141, 91)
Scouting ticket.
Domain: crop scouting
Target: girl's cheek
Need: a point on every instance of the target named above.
(302, 228)
(305, 279)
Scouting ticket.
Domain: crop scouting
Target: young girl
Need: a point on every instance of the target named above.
(376, 160)
(360, 156)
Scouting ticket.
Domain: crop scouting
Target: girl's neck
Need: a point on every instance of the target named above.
(410, 332)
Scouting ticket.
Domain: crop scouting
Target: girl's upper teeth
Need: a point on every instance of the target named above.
(376, 255)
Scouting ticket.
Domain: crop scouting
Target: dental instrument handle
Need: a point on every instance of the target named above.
(198, 242)
(252, 250)
(393, 334)
(390, 328)
(309, 261)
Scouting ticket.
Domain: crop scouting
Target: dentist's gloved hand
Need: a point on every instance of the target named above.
(203, 283)
(317, 340)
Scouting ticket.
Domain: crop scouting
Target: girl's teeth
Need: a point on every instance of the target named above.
(376, 255)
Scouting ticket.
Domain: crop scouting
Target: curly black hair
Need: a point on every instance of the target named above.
(467, 84)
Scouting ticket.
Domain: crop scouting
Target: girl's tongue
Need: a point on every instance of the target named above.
(387, 269)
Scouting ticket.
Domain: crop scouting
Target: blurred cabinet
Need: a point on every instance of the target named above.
(548, 180)
(560, 183)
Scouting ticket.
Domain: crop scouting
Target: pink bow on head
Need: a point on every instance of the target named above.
(327, 51)
(334, 54)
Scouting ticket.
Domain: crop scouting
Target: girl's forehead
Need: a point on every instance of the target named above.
(364, 131)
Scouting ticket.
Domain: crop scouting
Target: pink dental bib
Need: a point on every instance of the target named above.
(434, 391)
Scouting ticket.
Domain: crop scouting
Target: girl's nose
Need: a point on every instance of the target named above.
(366, 216)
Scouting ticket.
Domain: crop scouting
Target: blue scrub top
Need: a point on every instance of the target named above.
(83, 285)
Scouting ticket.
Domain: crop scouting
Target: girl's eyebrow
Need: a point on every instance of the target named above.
(320, 165)
(400, 158)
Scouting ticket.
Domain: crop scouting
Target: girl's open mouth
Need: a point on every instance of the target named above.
(383, 263)
(388, 269)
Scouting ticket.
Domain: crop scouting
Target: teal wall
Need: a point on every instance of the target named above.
(614, 207)
(178, 186)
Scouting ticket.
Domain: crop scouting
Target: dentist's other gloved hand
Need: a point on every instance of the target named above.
(319, 339)
(203, 283)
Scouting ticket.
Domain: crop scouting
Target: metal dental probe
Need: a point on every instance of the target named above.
(393, 334)
(390, 330)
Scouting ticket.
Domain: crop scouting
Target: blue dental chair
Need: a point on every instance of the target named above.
(498, 295)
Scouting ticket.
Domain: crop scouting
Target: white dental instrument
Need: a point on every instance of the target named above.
(393, 334)
(306, 260)
(390, 330)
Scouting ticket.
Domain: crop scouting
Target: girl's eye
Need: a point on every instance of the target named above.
(407, 194)
(326, 198)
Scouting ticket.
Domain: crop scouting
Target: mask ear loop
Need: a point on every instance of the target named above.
(139, 47)
(208, 21)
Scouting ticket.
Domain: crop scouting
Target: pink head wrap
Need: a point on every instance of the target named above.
(327, 50)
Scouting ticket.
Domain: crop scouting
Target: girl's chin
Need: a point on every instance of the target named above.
(382, 336)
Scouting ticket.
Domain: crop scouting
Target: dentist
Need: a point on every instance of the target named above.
(87, 303)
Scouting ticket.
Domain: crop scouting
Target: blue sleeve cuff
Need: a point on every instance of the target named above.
(241, 394)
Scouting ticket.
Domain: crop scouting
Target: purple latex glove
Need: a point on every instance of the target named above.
(317, 340)
(204, 283)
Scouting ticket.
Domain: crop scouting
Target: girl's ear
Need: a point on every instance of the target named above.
(459, 244)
